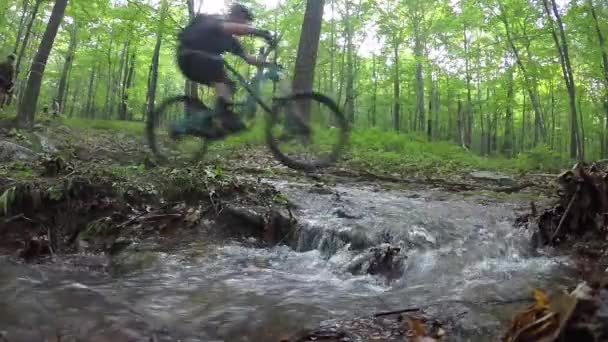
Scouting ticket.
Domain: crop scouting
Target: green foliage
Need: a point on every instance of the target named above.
(394, 152)
(541, 158)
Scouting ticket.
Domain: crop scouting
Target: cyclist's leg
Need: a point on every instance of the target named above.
(223, 90)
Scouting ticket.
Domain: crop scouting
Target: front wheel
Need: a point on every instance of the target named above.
(306, 131)
(161, 124)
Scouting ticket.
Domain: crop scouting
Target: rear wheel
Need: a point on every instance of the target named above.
(169, 118)
(306, 131)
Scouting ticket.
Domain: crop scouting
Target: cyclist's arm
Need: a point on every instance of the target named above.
(238, 29)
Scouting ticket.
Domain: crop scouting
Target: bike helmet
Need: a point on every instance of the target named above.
(241, 11)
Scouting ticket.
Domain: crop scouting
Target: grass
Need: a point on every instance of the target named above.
(392, 152)
(129, 127)
(382, 151)
(405, 153)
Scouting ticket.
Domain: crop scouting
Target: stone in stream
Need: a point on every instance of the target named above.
(383, 260)
(498, 178)
(346, 214)
(271, 226)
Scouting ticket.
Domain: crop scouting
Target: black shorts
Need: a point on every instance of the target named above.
(5, 85)
(201, 69)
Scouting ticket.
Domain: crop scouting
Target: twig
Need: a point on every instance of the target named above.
(388, 313)
(561, 221)
(135, 218)
(160, 216)
(533, 324)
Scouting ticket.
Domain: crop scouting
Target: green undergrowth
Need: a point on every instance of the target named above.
(129, 127)
(377, 150)
(392, 152)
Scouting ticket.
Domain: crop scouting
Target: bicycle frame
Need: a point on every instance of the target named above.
(243, 82)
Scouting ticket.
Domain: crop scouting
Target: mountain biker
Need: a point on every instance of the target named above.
(199, 56)
(7, 76)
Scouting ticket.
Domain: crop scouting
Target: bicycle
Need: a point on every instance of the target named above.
(297, 108)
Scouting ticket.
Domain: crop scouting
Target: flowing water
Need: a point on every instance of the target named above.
(461, 259)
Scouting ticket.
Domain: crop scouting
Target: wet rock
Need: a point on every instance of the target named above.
(383, 260)
(357, 238)
(278, 227)
(321, 189)
(132, 260)
(272, 226)
(498, 178)
(10, 151)
(35, 248)
(119, 245)
(246, 222)
(345, 214)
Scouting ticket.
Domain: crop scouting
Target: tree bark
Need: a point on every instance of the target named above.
(28, 32)
(153, 78)
(374, 91)
(332, 50)
(468, 116)
(349, 105)
(418, 54)
(530, 83)
(27, 107)
(507, 147)
(91, 92)
(67, 65)
(396, 87)
(191, 88)
(308, 47)
(562, 48)
(22, 20)
(602, 43)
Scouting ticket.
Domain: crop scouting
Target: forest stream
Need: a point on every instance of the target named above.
(461, 260)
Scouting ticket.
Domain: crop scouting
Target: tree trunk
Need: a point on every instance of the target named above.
(153, 75)
(28, 32)
(562, 48)
(553, 116)
(126, 84)
(396, 87)
(123, 74)
(22, 21)
(67, 65)
(191, 88)
(374, 91)
(461, 125)
(349, 105)
(507, 147)
(468, 119)
(90, 94)
(27, 107)
(418, 55)
(308, 47)
(602, 43)
(529, 82)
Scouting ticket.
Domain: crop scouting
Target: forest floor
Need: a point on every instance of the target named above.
(91, 186)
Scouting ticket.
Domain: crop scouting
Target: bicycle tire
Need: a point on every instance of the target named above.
(337, 149)
(156, 115)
